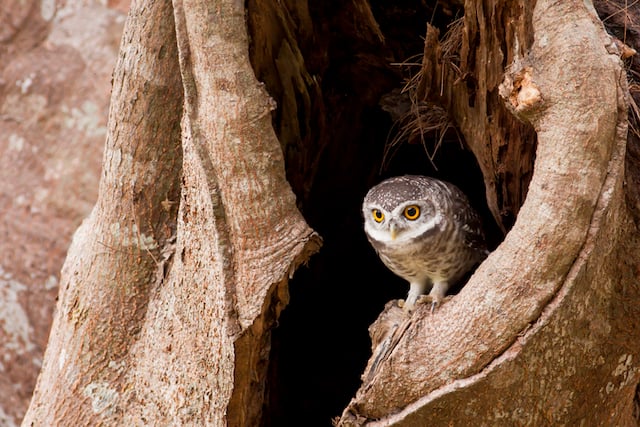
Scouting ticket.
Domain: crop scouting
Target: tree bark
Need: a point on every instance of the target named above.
(116, 254)
(172, 284)
(540, 335)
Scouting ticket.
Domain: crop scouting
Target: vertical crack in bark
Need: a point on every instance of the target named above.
(225, 246)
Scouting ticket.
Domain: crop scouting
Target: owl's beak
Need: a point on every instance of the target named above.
(393, 231)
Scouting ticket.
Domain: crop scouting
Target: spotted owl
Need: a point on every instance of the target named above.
(425, 231)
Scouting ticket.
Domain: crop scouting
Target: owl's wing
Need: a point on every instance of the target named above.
(471, 224)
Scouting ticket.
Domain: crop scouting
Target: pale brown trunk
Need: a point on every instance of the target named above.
(117, 254)
(172, 284)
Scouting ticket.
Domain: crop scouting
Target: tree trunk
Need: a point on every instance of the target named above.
(172, 286)
(145, 336)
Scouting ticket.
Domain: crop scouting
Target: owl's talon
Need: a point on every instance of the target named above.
(406, 308)
(434, 304)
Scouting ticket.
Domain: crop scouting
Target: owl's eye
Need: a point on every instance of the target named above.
(378, 216)
(412, 212)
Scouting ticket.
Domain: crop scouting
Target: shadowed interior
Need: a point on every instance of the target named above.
(321, 344)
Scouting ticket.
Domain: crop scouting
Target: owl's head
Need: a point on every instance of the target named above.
(400, 209)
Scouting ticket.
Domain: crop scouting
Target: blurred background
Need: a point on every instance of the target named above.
(56, 61)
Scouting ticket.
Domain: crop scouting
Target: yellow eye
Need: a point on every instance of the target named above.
(412, 212)
(377, 215)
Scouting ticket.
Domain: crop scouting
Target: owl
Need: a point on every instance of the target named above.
(425, 231)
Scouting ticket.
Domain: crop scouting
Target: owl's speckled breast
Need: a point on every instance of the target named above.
(433, 257)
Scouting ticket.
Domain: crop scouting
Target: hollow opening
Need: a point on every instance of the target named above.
(335, 132)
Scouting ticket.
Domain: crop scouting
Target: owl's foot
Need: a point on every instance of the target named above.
(428, 299)
(437, 294)
(435, 301)
(407, 308)
(416, 289)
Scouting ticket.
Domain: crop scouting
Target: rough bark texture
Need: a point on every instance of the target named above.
(542, 330)
(621, 20)
(238, 218)
(142, 336)
(462, 74)
(54, 99)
